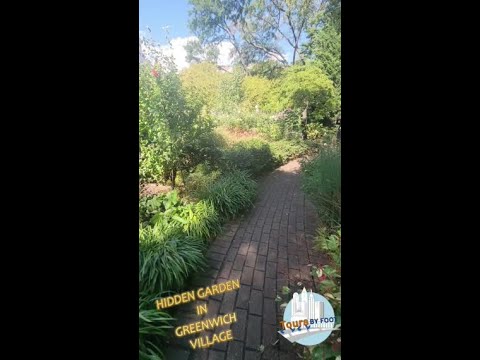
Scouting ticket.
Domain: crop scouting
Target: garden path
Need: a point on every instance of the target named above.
(268, 248)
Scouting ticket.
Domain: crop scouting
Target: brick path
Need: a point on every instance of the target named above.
(267, 249)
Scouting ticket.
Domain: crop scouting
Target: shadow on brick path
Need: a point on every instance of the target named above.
(268, 248)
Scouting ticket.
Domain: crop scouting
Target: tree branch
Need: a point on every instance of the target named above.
(272, 52)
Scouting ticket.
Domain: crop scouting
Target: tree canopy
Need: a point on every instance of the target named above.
(258, 29)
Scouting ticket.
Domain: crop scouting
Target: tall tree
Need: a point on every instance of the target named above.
(324, 41)
(214, 21)
(257, 29)
(197, 53)
(269, 22)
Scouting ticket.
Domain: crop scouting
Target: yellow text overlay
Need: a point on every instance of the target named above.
(201, 293)
(204, 342)
(206, 324)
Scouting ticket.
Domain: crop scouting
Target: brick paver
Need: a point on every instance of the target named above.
(267, 249)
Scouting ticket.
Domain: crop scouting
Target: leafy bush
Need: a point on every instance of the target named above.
(202, 83)
(199, 180)
(237, 119)
(149, 168)
(284, 150)
(149, 205)
(253, 156)
(257, 92)
(258, 156)
(152, 329)
(231, 194)
(330, 286)
(171, 216)
(204, 149)
(231, 92)
(269, 69)
(329, 244)
(200, 220)
(166, 261)
(172, 126)
(317, 131)
(284, 125)
(322, 181)
(306, 86)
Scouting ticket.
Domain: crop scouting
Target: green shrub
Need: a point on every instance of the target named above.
(322, 181)
(236, 119)
(285, 150)
(271, 130)
(198, 181)
(317, 131)
(231, 194)
(284, 125)
(154, 207)
(172, 216)
(205, 150)
(150, 167)
(149, 205)
(175, 133)
(166, 261)
(330, 244)
(257, 92)
(199, 220)
(253, 156)
(152, 329)
(302, 84)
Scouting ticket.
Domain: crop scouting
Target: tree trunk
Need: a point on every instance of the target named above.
(173, 176)
(304, 122)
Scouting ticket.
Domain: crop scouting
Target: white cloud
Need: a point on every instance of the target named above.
(177, 51)
(224, 56)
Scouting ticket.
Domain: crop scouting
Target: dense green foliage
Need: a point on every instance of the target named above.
(171, 216)
(202, 83)
(231, 194)
(307, 88)
(230, 92)
(174, 132)
(166, 261)
(199, 180)
(253, 156)
(286, 150)
(255, 28)
(269, 69)
(257, 92)
(325, 49)
(258, 156)
(153, 325)
(197, 53)
(324, 42)
(322, 181)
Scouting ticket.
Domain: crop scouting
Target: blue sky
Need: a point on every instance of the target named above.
(159, 13)
(173, 15)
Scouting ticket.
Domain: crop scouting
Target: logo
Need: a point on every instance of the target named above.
(308, 319)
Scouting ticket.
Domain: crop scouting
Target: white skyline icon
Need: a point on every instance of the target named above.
(304, 307)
